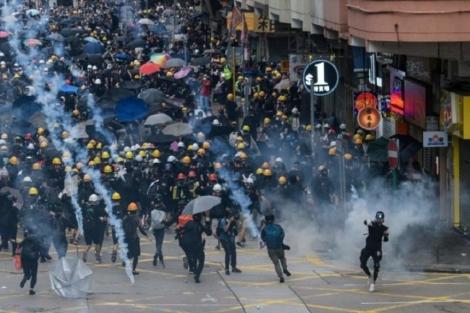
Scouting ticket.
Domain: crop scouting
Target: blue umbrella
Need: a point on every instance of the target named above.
(131, 109)
(68, 89)
(91, 39)
(122, 56)
(93, 48)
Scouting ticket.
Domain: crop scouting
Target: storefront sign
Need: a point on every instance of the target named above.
(397, 101)
(297, 63)
(365, 100)
(415, 103)
(322, 76)
(437, 139)
(369, 118)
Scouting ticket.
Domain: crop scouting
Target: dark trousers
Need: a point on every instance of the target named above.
(376, 256)
(30, 270)
(230, 253)
(7, 233)
(277, 256)
(196, 259)
(159, 235)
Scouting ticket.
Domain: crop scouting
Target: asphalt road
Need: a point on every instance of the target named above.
(317, 285)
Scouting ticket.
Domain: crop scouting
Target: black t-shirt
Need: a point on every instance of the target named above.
(376, 233)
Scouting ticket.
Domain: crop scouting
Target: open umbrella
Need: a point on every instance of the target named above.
(71, 278)
(149, 69)
(68, 89)
(32, 42)
(67, 32)
(377, 150)
(175, 62)
(152, 96)
(158, 119)
(122, 56)
(200, 61)
(137, 43)
(131, 84)
(283, 85)
(131, 109)
(159, 58)
(117, 94)
(178, 129)
(56, 37)
(201, 204)
(182, 73)
(4, 34)
(32, 12)
(145, 21)
(91, 39)
(93, 48)
(212, 51)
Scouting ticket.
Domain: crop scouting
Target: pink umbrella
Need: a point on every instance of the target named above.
(4, 34)
(182, 72)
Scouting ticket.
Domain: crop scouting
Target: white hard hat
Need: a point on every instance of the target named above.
(97, 81)
(195, 147)
(156, 161)
(93, 198)
(138, 158)
(181, 144)
(216, 122)
(89, 66)
(342, 126)
(27, 179)
(126, 149)
(217, 187)
(30, 146)
(171, 159)
(332, 144)
(3, 142)
(249, 180)
(295, 110)
(278, 159)
(95, 67)
(326, 125)
(318, 125)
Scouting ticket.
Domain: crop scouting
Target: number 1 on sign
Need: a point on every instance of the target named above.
(320, 74)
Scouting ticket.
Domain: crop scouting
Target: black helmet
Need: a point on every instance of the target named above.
(269, 218)
(380, 216)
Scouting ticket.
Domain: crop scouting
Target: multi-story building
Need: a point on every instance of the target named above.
(418, 52)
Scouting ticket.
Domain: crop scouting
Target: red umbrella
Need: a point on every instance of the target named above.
(4, 34)
(32, 42)
(149, 68)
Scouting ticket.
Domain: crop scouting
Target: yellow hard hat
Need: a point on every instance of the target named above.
(129, 155)
(65, 134)
(75, 113)
(282, 98)
(259, 171)
(105, 155)
(201, 152)
(240, 78)
(332, 151)
(43, 144)
(156, 153)
(90, 146)
(308, 127)
(266, 121)
(186, 160)
(36, 166)
(230, 97)
(13, 160)
(279, 113)
(369, 137)
(87, 178)
(223, 60)
(107, 169)
(261, 94)
(357, 136)
(169, 74)
(282, 180)
(246, 128)
(142, 153)
(265, 165)
(206, 145)
(116, 196)
(241, 146)
(358, 141)
(33, 191)
(267, 172)
(243, 155)
(97, 160)
(99, 145)
(255, 95)
(41, 131)
(347, 156)
(56, 161)
(268, 69)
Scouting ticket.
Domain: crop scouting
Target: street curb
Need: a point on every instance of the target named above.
(440, 268)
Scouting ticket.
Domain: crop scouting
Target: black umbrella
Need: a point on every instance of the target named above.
(200, 61)
(67, 32)
(131, 84)
(117, 94)
(152, 95)
(94, 59)
(137, 43)
(56, 37)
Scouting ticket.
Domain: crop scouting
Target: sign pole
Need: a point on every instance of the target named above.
(312, 121)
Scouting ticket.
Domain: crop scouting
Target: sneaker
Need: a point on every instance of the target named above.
(98, 259)
(227, 272)
(113, 256)
(370, 281)
(287, 273)
(32, 292)
(217, 247)
(84, 257)
(154, 262)
(281, 280)
(23, 282)
(196, 280)
(162, 263)
(372, 287)
(135, 273)
(240, 244)
(236, 270)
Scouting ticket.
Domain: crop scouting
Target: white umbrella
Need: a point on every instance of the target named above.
(283, 84)
(158, 119)
(71, 278)
(178, 129)
(201, 204)
(146, 21)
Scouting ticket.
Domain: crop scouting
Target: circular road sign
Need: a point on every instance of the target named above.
(322, 76)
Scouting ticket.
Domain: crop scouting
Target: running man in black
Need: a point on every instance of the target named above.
(373, 249)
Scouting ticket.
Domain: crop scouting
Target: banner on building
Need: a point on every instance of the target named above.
(297, 63)
(435, 139)
(254, 22)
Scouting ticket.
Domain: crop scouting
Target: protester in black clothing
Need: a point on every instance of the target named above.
(130, 224)
(191, 241)
(30, 247)
(94, 225)
(226, 233)
(373, 249)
